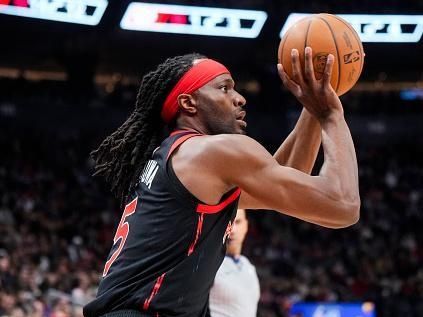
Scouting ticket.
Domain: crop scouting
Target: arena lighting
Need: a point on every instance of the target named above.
(376, 28)
(412, 94)
(193, 20)
(87, 12)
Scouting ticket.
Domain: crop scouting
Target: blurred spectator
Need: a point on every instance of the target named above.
(236, 288)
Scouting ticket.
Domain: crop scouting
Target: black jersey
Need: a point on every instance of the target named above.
(168, 245)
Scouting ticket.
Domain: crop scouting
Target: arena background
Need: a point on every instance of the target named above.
(64, 86)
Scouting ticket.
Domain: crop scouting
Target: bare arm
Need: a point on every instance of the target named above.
(300, 148)
(332, 198)
(212, 165)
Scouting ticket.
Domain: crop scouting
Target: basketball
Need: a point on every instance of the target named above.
(325, 34)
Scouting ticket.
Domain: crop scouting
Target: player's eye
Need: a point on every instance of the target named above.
(224, 88)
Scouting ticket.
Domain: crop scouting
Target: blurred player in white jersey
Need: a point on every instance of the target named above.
(236, 289)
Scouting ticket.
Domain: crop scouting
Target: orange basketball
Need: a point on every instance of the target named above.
(325, 34)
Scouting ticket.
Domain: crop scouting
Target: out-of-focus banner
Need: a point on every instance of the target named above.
(376, 27)
(366, 309)
(87, 12)
(193, 20)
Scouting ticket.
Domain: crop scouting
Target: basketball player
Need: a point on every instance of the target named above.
(182, 193)
(236, 289)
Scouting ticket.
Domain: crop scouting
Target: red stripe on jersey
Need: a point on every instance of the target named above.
(154, 291)
(177, 132)
(197, 234)
(182, 131)
(212, 209)
(179, 141)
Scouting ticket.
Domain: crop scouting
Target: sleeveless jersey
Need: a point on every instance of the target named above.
(168, 245)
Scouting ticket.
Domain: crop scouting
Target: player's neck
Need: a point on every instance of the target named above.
(184, 123)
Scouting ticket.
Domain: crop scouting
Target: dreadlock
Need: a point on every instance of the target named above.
(122, 156)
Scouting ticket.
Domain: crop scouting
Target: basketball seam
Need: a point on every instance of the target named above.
(306, 35)
(337, 53)
(357, 39)
(283, 44)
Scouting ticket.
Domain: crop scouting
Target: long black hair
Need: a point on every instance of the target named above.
(121, 156)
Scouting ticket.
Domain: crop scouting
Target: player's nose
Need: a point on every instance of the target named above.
(240, 101)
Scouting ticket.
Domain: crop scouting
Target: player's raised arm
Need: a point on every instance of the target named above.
(300, 148)
(330, 199)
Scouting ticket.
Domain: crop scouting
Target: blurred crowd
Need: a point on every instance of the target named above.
(57, 222)
(54, 226)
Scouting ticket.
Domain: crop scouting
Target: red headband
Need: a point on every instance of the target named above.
(196, 77)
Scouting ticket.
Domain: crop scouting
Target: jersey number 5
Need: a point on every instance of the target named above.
(121, 233)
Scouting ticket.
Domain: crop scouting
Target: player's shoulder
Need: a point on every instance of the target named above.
(229, 144)
(227, 139)
(224, 153)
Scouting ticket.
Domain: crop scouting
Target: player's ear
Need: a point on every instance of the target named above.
(187, 104)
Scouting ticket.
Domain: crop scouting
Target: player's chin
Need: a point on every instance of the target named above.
(241, 127)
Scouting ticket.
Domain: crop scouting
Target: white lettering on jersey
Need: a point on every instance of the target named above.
(149, 173)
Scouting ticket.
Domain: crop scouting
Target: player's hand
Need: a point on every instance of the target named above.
(316, 95)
